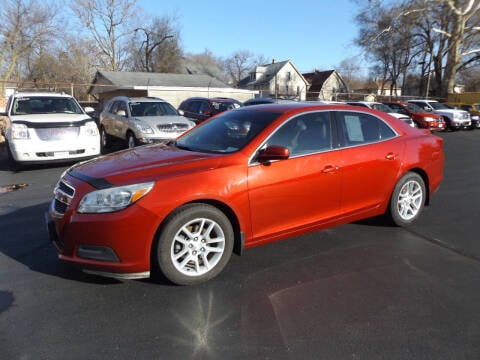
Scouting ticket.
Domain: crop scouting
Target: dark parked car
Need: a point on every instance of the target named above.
(258, 101)
(246, 177)
(423, 119)
(199, 108)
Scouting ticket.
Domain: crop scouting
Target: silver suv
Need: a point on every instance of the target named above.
(454, 119)
(141, 120)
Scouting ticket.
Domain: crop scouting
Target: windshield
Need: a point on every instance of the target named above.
(415, 108)
(45, 105)
(150, 108)
(228, 132)
(382, 107)
(221, 106)
(437, 105)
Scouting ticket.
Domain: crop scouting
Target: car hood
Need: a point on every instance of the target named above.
(147, 162)
(399, 116)
(50, 118)
(429, 114)
(165, 119)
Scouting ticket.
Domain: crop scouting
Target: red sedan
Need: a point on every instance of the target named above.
(423, 119)
(243, 178)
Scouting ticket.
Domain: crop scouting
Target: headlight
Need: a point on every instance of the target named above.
(20, 132)
(429, 119)
(144, 128)
(113, 199)
(91, 128)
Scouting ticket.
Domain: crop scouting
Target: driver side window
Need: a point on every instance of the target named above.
(305, 134)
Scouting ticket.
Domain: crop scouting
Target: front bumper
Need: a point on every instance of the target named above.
(114, 244)
(35, 151)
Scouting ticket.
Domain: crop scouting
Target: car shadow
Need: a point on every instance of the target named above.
(24, 239)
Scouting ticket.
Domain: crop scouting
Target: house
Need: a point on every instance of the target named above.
(173, 88)
(280, 80)
(325, 85)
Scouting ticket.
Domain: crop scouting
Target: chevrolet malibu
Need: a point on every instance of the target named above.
(243, 178)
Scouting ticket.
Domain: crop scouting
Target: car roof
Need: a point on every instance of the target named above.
(139, 99)
(43, 93)
(296, 106)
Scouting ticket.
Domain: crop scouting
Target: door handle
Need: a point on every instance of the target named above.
(330, 169)
(391, 156)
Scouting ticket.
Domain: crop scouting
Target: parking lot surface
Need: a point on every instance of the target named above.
(358, 291)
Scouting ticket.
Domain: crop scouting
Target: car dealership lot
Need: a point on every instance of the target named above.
(358, 291)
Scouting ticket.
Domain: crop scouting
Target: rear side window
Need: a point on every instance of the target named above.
(359, 128)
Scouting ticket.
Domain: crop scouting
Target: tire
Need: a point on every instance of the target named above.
(407, 200)
(195, 244)
(12, 163)
(131, 140)
(105, 141)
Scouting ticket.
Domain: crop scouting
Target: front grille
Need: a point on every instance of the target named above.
(173, 127)
(64, 193)
(58, 133)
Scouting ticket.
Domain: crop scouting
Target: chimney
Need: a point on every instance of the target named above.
(274, 61)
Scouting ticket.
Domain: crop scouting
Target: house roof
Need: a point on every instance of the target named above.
(125, 79)
(316, 79)
(269, 73)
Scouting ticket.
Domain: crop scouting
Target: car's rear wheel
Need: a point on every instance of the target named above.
(131, 140)
(195, 244)
(408, 199)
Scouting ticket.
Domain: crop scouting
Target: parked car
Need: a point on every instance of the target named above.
(141, 120)
(386, 109)
(473, 110)
(243, 178)
(423, 119)
(259, 101)
(199, 108)
(43, 127)
(454, 119)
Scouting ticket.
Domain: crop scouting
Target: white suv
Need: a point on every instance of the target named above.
(48, 127)
(454, 118)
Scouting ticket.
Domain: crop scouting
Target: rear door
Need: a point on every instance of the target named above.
(370, 153)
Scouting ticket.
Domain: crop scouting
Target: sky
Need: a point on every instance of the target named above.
(313, 34)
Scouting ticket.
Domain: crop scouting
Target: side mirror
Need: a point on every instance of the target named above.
(181, 112)
(273, 152)
(121, 113)
(89, 109)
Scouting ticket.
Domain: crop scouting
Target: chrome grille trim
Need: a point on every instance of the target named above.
(63, 193)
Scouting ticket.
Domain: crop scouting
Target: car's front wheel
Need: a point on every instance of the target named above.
(195, 244)
(131, 140)
(104, 138)
(408, 199)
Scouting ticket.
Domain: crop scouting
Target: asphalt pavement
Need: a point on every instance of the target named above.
(357, 291)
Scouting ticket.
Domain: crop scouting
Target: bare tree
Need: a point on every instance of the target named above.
(464, 26)
(238, 65)
(26, 28)
(206, 63)
(387, 37)
(109, 23)
(157, 46)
